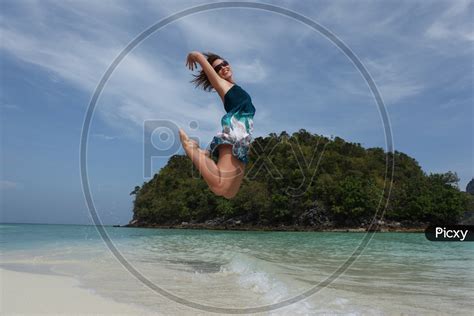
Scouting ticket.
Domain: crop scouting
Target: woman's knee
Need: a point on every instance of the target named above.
(230, 194)
(227, 189)
(218, 189)
(222, 190)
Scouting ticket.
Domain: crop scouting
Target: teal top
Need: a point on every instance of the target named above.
(237, 100)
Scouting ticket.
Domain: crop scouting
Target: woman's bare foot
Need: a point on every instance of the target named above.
(185, 141)
(190, 144)
(183, 137)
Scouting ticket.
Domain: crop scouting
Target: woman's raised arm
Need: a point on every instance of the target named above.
(217, 82)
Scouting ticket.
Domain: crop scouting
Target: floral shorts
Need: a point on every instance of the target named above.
(237, 131)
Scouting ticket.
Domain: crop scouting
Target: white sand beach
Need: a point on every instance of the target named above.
(30, 293)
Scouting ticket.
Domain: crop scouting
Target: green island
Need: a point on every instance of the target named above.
(305, 182)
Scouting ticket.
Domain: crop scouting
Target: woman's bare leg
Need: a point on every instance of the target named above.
(223, 178)
(233, 168)
(206, 166)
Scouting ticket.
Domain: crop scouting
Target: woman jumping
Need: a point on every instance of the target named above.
(232, 145)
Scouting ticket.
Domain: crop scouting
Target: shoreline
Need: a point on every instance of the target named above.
(281, 228)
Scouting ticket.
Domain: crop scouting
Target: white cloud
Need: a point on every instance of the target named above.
(250, 72)
(392, 76)
(448, 26)
(103, 136)
(8, 106)
(393, 81)
(9, 185)
(71, 57)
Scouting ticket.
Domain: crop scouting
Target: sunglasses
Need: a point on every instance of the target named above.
(221, 65)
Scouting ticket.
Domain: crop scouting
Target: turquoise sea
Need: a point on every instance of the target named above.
(396, 273)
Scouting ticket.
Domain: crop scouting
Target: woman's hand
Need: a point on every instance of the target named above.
(191, 61)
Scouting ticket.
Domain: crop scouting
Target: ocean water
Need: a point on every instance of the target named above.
(396, 273)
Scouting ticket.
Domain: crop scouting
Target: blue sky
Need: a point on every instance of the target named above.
(54, 53)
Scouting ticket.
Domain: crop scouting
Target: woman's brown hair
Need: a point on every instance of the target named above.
(201, 79)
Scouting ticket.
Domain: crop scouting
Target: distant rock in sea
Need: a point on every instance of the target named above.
(470, 187)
